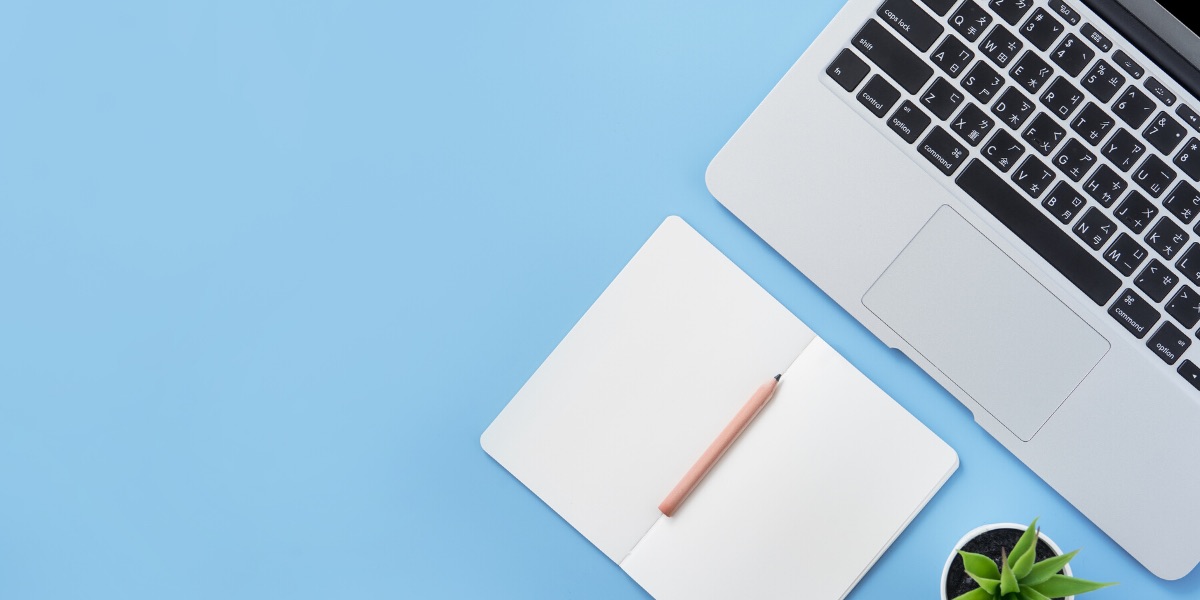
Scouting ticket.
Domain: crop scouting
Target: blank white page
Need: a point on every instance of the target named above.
(640, 386)
(814, 491)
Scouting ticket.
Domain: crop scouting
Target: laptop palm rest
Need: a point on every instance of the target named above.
(985, 323)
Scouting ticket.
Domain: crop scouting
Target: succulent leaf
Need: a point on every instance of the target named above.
(979, 565)
(1028, 593)
(1044, 569)
(975, 594)
(1059, 586)
(1026, 545)
(1008, 580)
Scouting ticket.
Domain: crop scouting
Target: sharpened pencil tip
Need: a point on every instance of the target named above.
(778, 376)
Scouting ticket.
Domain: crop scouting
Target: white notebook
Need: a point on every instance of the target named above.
(802, 504)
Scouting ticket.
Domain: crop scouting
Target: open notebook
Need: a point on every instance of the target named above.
(809, 497)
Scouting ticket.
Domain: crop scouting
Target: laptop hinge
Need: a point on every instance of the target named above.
(1153, 46)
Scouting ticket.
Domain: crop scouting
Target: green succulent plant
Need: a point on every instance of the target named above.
(1020, 578)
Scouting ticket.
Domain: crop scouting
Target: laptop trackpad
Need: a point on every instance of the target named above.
(986, 323)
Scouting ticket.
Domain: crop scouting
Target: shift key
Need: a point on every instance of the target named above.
(885, 50)
(912, 22)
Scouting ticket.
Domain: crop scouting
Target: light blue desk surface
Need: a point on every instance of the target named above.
(270, 268)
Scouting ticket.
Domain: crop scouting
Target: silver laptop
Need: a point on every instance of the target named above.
(1006, 191)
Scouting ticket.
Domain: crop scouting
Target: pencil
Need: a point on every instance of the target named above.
(718, 447)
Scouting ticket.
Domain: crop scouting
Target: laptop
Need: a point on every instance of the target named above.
(1007, 192)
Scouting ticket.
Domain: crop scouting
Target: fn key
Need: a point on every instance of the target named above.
(847, 70)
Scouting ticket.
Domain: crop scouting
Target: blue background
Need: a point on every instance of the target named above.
(270, 268)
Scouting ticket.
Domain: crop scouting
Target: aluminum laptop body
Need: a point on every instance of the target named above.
(1003, 191)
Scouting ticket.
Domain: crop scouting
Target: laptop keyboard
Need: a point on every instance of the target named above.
(1054, 130)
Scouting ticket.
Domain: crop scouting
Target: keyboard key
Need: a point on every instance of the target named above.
(942, 98)
(941, 149)
(1092, 124)
(1103, 81)
(1063, 203)
(1072, 55)
(1074, 160)
(1061, 98)
(878, 96)
(1041, 29)
(892, 56)
(1013, 108)
(1167, 238)
(941, 7)
(1183, 202)
(1033, 177)
(1154, 176)
(1160, 91)
(1190, 373)
(1001, 46)
(1188, 159)
(1156, 280)
(972, 124)
(1125, 254)
(1123, 150)
(983, 82)
(1189, 263)
(908, 121)
(970, 20)
(952, 56)
(1061, 9)
(1164, 133)
(1044, 134)
(1189, 116)
(1010, 10)
(847, 70)
(1031, 72)
(1135, 70)
(1134, 107)
(1038, 232)
(1094, 229)
(1185, 307)
(1094, 36)
(1003, 150)
(1105, 186)
(1169, 343)
(1136, 212)
(1134, 313)
(911, 22)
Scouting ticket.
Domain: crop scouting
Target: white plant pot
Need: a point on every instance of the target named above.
(985, 528)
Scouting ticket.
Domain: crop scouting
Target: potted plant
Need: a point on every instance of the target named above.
(1007, 561)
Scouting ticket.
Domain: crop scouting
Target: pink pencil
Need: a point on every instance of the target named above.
(718, 447)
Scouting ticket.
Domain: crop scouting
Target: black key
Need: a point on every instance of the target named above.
(1154, 176)
(1169, 343)
(912, 22)
(908, 121)
(1072, 55)
(1135, 70)
(972, 124)
(1063, 203)
(1137, 315)
(1002, 150)
(1164, 133)
(952, 56)
(1061, 9)
(941, 149)
(1123, 150)
(1160, 91)
(1189, 116)
(1094, 36)
(878, 95)
(1013, 108)
(1189, 263)
(847, 70)
(1125, 254)
(1031, 72)
(1103, 81)
(1061, 98)
(1166, 238)
(1001, 46)
(1038, 231)
(982, 81)
(942, 98)
(1136, 212)
(1041, 29)
(1105, 186)
(970, 20)
(1183, 202)
(1094, 228)
(1033, 177)
(1092, 124)
(1074, 160)
(1188, 159)
(1044, 134)
(1156, 280)
(1010, 10)
(941, 7)
(891, 55)
(1190, 372)
(1134, 107)
(1185, 307)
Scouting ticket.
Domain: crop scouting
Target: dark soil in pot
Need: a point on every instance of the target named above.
(988, 544)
